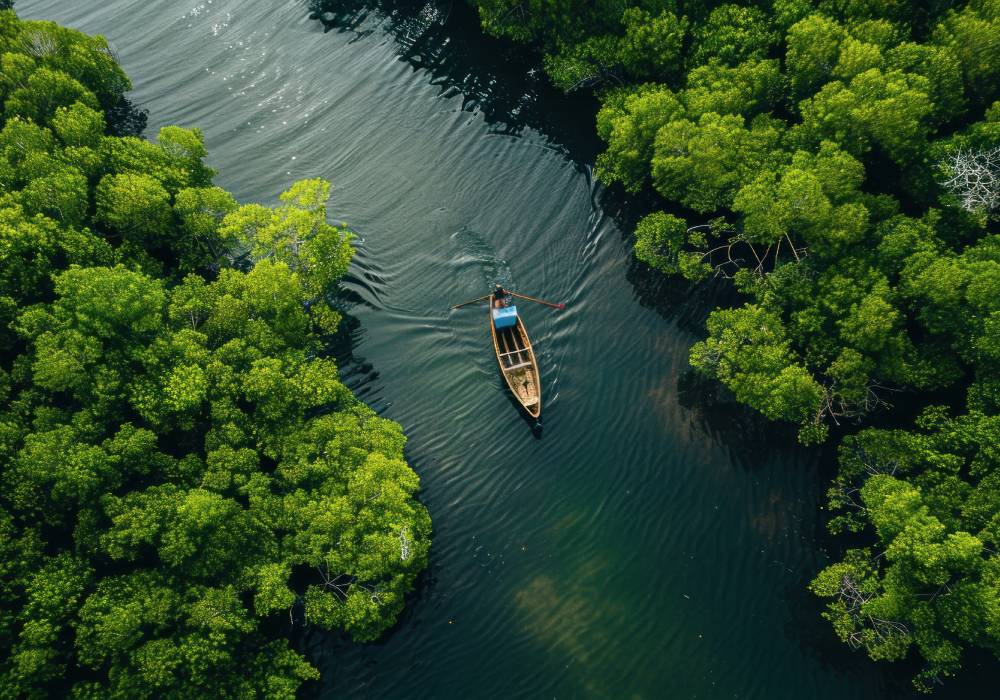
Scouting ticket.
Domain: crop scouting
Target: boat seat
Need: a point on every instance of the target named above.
(513, 352)
(518, 366)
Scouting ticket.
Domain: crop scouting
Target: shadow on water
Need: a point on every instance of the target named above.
(806, 626)
(675, 299)
(534, 424)
(745, 432)
(356, 372)
(503, 81)
(329, 651)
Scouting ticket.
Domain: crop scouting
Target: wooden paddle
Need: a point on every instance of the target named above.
(471, 301)
(547, 303)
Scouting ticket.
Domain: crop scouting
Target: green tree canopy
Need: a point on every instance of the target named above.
(928, 501)
(702, 164)
(181, 466)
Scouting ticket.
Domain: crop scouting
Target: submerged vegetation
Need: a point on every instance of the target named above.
(838, 161)
(184, 477)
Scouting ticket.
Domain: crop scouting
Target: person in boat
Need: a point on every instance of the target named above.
(501, 297)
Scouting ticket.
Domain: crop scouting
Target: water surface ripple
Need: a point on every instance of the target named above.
(644, 547)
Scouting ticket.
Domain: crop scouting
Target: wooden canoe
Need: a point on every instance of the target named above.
(517, 364)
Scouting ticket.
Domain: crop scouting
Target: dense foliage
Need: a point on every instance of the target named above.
(932, 497)
(182, 474)
(839, 160)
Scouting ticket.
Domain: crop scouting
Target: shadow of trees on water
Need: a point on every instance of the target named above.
(502, 81)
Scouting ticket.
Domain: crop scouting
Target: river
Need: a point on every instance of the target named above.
(651, 543)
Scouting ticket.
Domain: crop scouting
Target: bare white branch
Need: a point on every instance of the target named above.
(974, 179)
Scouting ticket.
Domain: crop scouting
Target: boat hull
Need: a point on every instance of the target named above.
(518, 365)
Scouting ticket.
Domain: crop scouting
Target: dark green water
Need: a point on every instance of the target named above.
(652, 543)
